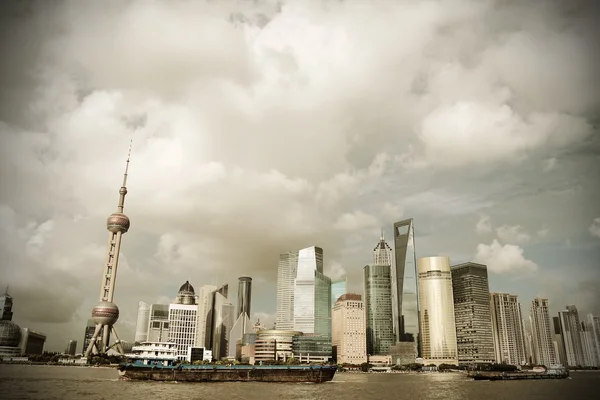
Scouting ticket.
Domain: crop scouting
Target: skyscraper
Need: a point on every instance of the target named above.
(183, 320)
(378, 305)
(205, 303)
(242, 323)
(286, 276)
(106, 313)
(507, 327)
(6, 303)
(158, 323)
(349, 329)
(404, 275)
(543, 349)
(474, 337)
(382, 253)
(438, 329)
(71, 348)
(141, 326)
(222, 319)
(558, 342)
(338, 288)
(90, 328)
(571, 336)
(593, 329)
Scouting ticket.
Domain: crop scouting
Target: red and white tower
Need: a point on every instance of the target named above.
(106, 313)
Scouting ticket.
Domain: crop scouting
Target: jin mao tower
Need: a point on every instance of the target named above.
(106, 313)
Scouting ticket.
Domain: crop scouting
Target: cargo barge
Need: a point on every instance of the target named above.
(554, 372)
(153, 361)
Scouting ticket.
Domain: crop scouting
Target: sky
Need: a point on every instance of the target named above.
(262, 127)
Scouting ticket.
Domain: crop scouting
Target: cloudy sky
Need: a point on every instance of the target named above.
(261, 127)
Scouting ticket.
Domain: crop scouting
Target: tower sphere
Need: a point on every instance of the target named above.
(105, 313)
(10, 334)
(118, 222)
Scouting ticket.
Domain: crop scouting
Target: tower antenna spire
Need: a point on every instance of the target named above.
(382, 238)
(123, 190)
(127, 163)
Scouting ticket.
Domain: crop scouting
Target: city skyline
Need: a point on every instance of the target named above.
(299, 126)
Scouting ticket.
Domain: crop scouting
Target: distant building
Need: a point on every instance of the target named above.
(90, 328)
(438, 329)
(183, 314)
(32, 343)
(507, 327)
(378, 305)
(158, 323)
(6, 303)
(338, 288)
(593, 330)
(274, 344)
(221, 322)
(141, 326)
(349, 327)
(71, 348)
(10, 333)
(242, 324)
(286, 276)
(312, 347)
(543, 349)
(205, 304)
(474, 337)
(558, 342)
(572, 336)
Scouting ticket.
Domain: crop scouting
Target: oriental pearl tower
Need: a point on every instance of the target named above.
(106, 313)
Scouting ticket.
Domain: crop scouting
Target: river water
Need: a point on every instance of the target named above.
(52, 382)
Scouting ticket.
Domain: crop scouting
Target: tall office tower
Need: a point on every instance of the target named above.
(589, 357)
(242, 324)
(382, 253)
(222, 319)
(286, 276)
(438, 328)
(558, 342)
(312, 294)
(474, 337)
(593, 329)
(405, 295)
(106, 313)
(378, 305)
(338, 288)
(349, 329)
(71, 348)
(89, 334)
(205, 300)
(158, 323)
(542, 333)
(183, 320)
(507, 326)
(6, 303)
(141, 326)
(571, 335)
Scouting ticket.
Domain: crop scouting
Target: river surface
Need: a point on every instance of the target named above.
(51, 382)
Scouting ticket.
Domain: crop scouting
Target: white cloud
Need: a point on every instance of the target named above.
(484, 225)
(549, 164)
(595, 228)
(334, 270)
(513, 234)
(355, 221)
(504, 259)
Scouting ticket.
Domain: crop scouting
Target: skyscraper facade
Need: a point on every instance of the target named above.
(338, 288)
(349, 329)
(242, 324)
(89, 334)
(404, 274)
(593, 329)
(286, 276)
(571, 336)
(205, 301)
(158, 323)
(507, 327)
(543, 349)
(183, 320)
(438, 329)
(71, 348)
(141, 326)
(378, 305)
(244, 295)
(558, 342)
(474, 337)
(221, 322)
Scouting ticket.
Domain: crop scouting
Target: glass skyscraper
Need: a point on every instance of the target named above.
(286, 275)
(404, 276)
(378, 305)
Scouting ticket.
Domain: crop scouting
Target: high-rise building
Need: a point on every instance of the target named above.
(589, 356)
(106, 313)
(242, 323)
(474, 337)
(438, 328)
(571, 335)
(158, 323)
(593, 330)
(507, 327)
(558, 342)
(32, 342)
(349, 329)
(405, 294)
(543, 349)
(141, 326)
(382, 253)
(205, 303)
(6, 303)
(90, 328)
(222, 319)
(71, 348)
(378, 306)
(183, 320)
(286, 276)
(338, 288)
